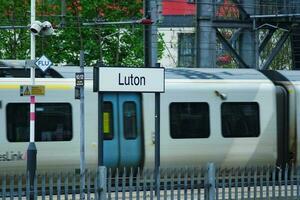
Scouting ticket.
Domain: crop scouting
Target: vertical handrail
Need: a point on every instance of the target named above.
(255, 182)
(58, 187)
(102, 182)
(124, 183)
(273, 181)
(43, 186)
(152, 179)
(172, 184)
(192, 183)
(178, 183)
(267, 182)
(66, 185)
(109, 183)
(261, 183)
(144, 184)
(165, 177)
(20, 187)
(51, 186)
(11, 186)
(236, 174)
(117, 184)
(242, 183)
(130, 183)
(292, 181)
(73, 186)
(27, 187)
(138, 184)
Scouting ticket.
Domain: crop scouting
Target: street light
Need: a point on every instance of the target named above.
(36, 28)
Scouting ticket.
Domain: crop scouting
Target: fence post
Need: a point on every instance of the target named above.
(102, 175)
(210, 182)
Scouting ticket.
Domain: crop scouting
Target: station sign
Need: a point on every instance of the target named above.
(32, 90)
(131, 79)
(43, 63)
(79, 79)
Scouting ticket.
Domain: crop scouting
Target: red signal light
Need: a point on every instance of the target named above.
(146, 21)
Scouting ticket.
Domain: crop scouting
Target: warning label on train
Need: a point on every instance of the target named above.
(125, 79)
(32, 90)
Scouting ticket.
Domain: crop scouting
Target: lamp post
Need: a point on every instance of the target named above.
(36, 28)
(32, 151)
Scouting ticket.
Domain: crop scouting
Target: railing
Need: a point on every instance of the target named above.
(184, 183)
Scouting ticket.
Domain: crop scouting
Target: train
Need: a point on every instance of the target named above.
(231, 117)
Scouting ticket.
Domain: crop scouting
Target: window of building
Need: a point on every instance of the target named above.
(186, 50)
(191, 1)
(189, 120)
(108, 129)
(129, 120)
(240, 119)
(53, 122)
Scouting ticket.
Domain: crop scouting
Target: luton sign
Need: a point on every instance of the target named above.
(125, 79)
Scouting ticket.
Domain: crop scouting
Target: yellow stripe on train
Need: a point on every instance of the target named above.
(48, 87)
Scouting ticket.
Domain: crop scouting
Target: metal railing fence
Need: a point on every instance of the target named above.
(181, 183)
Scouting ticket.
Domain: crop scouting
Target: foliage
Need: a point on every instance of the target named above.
(115, 45)
(283, 59)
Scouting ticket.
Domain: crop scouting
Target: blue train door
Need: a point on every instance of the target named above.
(122, 128)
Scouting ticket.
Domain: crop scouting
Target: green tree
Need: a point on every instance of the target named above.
(116, 45)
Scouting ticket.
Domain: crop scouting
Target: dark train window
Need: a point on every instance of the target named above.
(189, 120)
(240, 119)
(108, 129)
(129, 120)
(53, 122)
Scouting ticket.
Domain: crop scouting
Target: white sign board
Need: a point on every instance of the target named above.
(125, 79)
(43, 63)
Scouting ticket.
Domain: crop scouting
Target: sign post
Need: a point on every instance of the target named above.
(79, 79)
(31, 150)
(124, 79)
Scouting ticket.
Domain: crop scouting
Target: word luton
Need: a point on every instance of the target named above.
(132, 80)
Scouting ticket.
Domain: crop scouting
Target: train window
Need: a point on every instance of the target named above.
(108, 130)
(129, 120)
(53, 122)
(240, 119)
(189, 120)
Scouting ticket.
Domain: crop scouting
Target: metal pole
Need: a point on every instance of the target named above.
(157, 141)
(210, 182)
(31, 150)
(147, 35)
(100, 120)
(205, 35)
(100, 140)
(102, 175)
(150, 59)
(82, 134)
(154, 17)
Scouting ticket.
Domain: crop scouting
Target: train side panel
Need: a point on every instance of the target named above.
(51, 155)
(227, 151)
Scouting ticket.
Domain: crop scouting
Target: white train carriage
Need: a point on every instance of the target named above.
(225, 116)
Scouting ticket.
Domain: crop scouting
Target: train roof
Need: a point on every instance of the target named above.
(290, 75)
(18, 69)
(214, 73)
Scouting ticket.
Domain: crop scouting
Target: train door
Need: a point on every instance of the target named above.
(122, 128)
